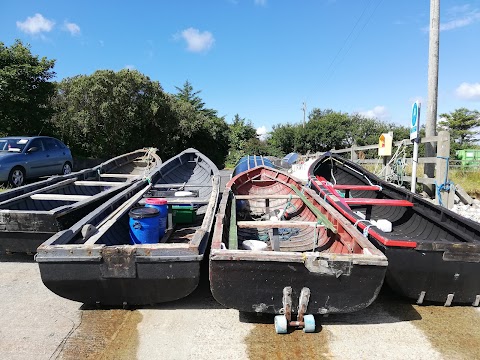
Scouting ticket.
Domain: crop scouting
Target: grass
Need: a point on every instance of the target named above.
(468, 180)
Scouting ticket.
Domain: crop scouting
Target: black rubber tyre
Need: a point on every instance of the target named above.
(17, 176)
(67, 168)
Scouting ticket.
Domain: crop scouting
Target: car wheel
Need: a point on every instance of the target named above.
(67, 168)
(16, 177)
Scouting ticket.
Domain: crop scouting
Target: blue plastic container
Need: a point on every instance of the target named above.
(161, 205)
(144, 225)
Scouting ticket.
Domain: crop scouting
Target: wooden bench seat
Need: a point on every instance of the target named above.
(277, 224)
(59, 197)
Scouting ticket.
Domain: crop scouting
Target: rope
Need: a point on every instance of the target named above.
(365, 230)
(446, 185)
(287, 205)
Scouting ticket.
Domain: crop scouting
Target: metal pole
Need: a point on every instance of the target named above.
(433, 50)
(304, 108)
(414, 166)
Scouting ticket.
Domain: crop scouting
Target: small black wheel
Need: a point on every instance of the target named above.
(16, 177)
(67, 168)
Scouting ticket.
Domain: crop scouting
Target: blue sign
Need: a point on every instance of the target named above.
(414, 114)
(415, 121)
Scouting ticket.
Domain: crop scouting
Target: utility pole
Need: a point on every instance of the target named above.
(433, 51)
(304, 108)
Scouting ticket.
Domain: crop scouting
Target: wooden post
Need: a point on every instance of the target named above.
(441, 174)
(353, 152)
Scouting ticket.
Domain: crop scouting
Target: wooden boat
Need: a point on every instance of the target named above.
(31, 214)
(433, 254)
(310, 255)
(94, 262)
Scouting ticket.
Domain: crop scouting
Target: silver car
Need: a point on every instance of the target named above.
(24, 158)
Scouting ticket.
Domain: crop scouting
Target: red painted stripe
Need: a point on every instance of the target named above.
(382, 202)
(348, 214)
(356, 187)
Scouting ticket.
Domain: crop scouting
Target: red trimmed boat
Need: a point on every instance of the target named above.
(279, 248)
(433, 253)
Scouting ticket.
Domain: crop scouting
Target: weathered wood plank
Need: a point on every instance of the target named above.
(264, 197)
(98, 183)
(277, 224)
(60, 197)
(232, 234)
(119, 176)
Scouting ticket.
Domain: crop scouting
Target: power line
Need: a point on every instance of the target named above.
(329, 75)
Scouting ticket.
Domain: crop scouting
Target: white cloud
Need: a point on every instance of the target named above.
(459, 16)
(197, 41)
(378, 112)
(262, 133)
(129, 67)
(72, 28)
(36, 24)
(468, 91)
(261, 2)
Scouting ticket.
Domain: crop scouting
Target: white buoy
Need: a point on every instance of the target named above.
(254, 245)
(384, 225)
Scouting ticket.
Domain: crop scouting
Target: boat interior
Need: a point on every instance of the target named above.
(188, 184)
(278, 214)
(371, 200)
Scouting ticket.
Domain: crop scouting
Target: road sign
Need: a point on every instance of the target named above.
(414, 129)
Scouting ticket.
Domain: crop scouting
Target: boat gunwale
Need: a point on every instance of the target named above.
(217, 253)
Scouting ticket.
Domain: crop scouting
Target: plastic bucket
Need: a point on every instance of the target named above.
(161, 205)
(144, 227)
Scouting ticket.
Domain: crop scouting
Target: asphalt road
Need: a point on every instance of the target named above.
(37, 324)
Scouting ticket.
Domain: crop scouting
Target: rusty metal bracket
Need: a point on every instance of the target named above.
(287, 302)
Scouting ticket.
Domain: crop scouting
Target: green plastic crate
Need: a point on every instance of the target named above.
(183, 214)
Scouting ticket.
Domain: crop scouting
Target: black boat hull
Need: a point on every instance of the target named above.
(153, 283)
(433, 254)
(412, 273)
(256, 286)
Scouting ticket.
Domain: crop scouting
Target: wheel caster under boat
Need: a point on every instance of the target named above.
(307, 322)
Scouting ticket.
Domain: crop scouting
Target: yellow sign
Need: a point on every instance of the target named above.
(385, 145)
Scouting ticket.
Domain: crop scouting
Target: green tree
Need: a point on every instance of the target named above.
(109, 113)
(187, 94)
(25, 91)
(198, 126)
(241, 131)
(282, 138)
(461, 123)
(327, 130)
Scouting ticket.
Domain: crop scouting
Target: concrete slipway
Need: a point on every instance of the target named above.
(37, 324)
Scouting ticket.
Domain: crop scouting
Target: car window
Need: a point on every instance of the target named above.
(50, 144)
(36, 143)
(13, 144)
(60, 144)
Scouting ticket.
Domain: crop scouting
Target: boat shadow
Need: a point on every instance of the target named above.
(387, 308)
(17, 258)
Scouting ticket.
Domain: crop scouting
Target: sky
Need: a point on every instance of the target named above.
(265, 60)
